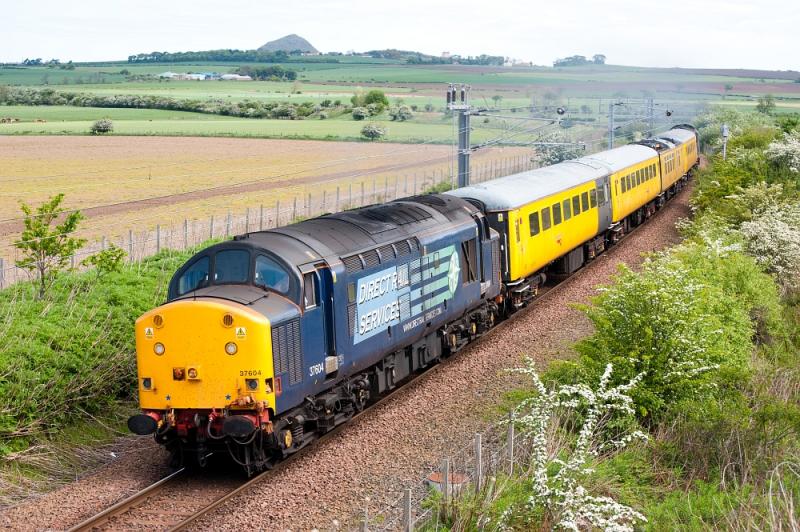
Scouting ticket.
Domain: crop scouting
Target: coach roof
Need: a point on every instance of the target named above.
(514, 191)
(676, 135)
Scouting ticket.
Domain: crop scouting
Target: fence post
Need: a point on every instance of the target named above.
(337, 199)
(72, 262)
(365, 527)
(374, 189)
(185, 233)
(510, 443)
(158, 238)
(247, 220)
(103, 244)
(130, 245)
(478, 462)
(308, 211)
(211, 228)
(261, 217)
(277, 212)
(446, 481)
(350, 196)
(228, 225)
(415, 184)
(408, 521)
(294, 209)
(385, 188)
(395, 188)
(324, 199)
(2, 273)
(362, 194)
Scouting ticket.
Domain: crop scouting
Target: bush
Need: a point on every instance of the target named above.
(372, 131)
(102, 126)
(669, 324)
(401, 113)
(360, 113)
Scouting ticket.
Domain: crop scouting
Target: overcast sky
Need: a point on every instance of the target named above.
(687, 33)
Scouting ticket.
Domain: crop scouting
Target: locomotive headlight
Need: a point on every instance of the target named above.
(159, 348)
(252, 384)
(231, 348)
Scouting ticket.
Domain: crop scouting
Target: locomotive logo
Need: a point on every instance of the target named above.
(404, 292)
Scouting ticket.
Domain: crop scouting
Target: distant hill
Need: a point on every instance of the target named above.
(290, 43)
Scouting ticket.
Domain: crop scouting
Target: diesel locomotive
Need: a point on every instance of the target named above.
(276, 337)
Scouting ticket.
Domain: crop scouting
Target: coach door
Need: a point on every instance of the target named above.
(603, 192)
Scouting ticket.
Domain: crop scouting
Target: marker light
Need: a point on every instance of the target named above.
(147, 383)
(159, 348)
(192, 373)
(231, 348)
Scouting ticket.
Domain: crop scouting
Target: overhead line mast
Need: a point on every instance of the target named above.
(458, 100)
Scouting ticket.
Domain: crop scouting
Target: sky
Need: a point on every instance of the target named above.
(682, 33)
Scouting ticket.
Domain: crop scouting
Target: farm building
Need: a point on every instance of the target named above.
(235, 77)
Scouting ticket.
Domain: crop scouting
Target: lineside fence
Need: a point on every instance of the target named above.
(139, 244)
(470, 471)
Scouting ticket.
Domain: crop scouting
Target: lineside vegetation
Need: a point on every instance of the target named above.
(682, 409)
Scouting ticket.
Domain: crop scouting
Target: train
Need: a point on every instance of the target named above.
(274, 338)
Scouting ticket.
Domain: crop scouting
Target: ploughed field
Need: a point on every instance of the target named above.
(135, 183)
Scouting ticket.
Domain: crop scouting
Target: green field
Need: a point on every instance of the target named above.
(584, 91)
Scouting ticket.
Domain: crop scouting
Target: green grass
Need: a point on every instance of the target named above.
(78, 120)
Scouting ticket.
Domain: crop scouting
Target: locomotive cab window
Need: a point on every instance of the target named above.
(310, 290)
(271, 276)
(195, 276)
(469, 262)
(231, 266)
(533, 221)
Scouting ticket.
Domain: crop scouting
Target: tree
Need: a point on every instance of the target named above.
(104, 125)
(599, 59)
(766, 104)
(376, 96)
(373, 131)
(46, 250)
(497, 99)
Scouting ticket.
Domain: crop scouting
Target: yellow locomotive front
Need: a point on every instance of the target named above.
(205, 372)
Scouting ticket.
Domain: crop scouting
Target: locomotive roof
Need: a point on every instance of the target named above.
(343, 233)
(676, 135)
(513, 191)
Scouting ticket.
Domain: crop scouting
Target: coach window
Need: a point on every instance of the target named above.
(630, 181)
(545, 218)
(585, 201)
(271, 276)
(310, 290)
(556, 213)
(231, 266)
(533, 221)
(593, 198)
(195, 276)
(567, 210)
(576, 205)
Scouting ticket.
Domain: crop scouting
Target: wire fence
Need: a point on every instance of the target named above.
(140, 243)
(471, 469)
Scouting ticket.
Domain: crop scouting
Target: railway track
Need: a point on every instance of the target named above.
(176, 501)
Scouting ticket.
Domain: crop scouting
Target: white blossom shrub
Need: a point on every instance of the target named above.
(773, 239)
(668, 324)
(785, 152)
(557, 472)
